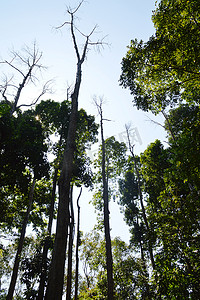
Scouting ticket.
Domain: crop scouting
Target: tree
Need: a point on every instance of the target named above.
(140, 235)
(109, 162)
(23, 157)
(56, 273)
(104, 175)
(20, 245)
(170, 203)
(165, 69)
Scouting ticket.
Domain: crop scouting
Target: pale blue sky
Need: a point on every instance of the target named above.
(24, 21)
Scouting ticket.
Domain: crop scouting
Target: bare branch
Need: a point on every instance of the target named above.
(15, 68)
(65, 23)
(24, 66)
(46, 89)
(88, 41)
(69, 10)
(4, 86)
(155, 122)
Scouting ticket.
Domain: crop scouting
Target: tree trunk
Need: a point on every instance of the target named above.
(20, 245)
(56, 274)
(109, 259)
(43, 275)
(70, 248)
(77, 246)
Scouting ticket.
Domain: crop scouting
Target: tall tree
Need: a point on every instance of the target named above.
(170, 206)
(23, 153)
(54, 117)
(56, 274)
(109, 260)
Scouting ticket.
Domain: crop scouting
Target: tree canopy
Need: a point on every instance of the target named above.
(165, 70)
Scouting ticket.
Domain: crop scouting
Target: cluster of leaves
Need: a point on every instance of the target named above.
(23, 156)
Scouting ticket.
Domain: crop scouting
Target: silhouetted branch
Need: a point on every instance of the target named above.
(46, 89)
(87, 37)
(24, 65)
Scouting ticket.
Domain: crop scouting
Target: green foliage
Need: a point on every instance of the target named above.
(31, 265)
(22, 148)
(172, 196)
(128, 271)
(165, 70)
(23, 154)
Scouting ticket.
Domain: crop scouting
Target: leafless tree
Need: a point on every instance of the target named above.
(24, 67)
(56, 274)
(109, 259)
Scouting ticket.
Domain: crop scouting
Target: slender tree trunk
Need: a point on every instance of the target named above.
(43, 275)
(141, 203)
(77, 247)
(70, 248)
(20, 245)
(109, 259)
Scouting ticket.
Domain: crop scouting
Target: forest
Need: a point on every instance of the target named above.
(44, 167)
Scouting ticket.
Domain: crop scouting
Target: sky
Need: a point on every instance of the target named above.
(24, 22)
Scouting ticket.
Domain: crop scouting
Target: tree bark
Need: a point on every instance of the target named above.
(20, 245)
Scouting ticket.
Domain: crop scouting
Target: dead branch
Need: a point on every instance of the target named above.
(46, 89)
(24, 66)
(88, 41)
(155, 122)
